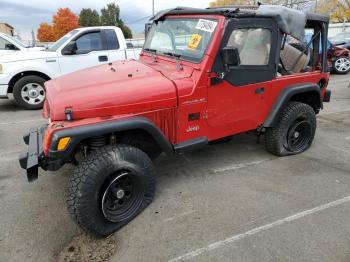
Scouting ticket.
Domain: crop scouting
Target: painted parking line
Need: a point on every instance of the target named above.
(232, 239)
(178, 216)
(240, 166)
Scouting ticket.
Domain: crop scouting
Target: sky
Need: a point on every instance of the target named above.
(26, 16)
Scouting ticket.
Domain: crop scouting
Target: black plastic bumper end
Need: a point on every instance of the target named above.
(26, 138)
(32, 174)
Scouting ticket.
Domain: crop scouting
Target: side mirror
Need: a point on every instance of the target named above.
(70, 48)
(230, 57)
(11, 47)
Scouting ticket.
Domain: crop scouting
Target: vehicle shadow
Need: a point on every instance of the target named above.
(9, 105)
(213, 159)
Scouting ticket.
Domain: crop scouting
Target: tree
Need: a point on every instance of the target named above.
(64, 21)
(89, 17)
(46, 33)
(110, 15)
(339, 10)
(126, 30)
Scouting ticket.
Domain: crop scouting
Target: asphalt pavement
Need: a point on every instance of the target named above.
(226, 202)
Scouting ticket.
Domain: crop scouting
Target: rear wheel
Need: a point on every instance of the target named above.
(29, 92)
(110, 188)
(294, 132)
(341, 65)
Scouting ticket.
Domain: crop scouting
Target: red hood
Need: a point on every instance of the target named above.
(131, 87)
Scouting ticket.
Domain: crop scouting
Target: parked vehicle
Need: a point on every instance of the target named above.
(204, 75)
(24, 73)
(338, 57)
(342, 40)
(10, 44)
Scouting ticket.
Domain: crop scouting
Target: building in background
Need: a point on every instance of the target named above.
(6, 29)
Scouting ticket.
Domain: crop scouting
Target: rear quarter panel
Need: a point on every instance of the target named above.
(282, 82)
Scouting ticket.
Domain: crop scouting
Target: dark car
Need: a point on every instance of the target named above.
(342, 40)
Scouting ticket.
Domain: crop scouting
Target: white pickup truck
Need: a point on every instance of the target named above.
(10, 44)
(24, 73)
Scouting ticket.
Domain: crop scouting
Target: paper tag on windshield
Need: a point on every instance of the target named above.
(206, 25)
(194, 41)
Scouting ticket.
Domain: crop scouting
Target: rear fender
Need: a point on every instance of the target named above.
(309, 89)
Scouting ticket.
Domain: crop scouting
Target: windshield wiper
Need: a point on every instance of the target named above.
(154, 51)
(172, 54)
(177, 58)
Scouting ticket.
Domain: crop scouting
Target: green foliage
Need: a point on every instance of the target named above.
(110, 15)
(126, 31)
(89, 17)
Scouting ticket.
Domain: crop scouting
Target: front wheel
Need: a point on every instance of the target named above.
(294, 132)
(110, 188)
(341, 65)
(29, 92)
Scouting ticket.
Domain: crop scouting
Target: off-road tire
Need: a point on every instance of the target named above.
(278, 139)
(88, 183)
(19, 85)
(345, 69)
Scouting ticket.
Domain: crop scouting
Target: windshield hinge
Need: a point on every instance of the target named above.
(154, 57)
(178, 64)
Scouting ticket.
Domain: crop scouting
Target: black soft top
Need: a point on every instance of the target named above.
(290, 21)
(243, 11)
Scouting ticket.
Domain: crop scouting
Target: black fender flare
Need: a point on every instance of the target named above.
(285, 97)
(80, 133)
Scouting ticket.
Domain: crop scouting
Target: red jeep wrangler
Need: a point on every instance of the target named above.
(203, 75)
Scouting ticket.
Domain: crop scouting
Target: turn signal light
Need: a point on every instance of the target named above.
(63, 143)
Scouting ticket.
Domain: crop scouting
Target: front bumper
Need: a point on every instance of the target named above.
(3, 91)
(34, 158)
(30, 160)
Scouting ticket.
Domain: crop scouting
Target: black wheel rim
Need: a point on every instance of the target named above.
(122, 196)
(299, 136)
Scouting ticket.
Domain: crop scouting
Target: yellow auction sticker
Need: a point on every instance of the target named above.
(194, 42)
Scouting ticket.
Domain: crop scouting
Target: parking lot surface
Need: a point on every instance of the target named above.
(226, 202)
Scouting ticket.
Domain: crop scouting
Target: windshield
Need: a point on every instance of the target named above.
(341, 37)
(61, 41)
(186, 38)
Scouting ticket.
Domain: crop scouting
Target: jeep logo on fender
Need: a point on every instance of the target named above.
(192, 129)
